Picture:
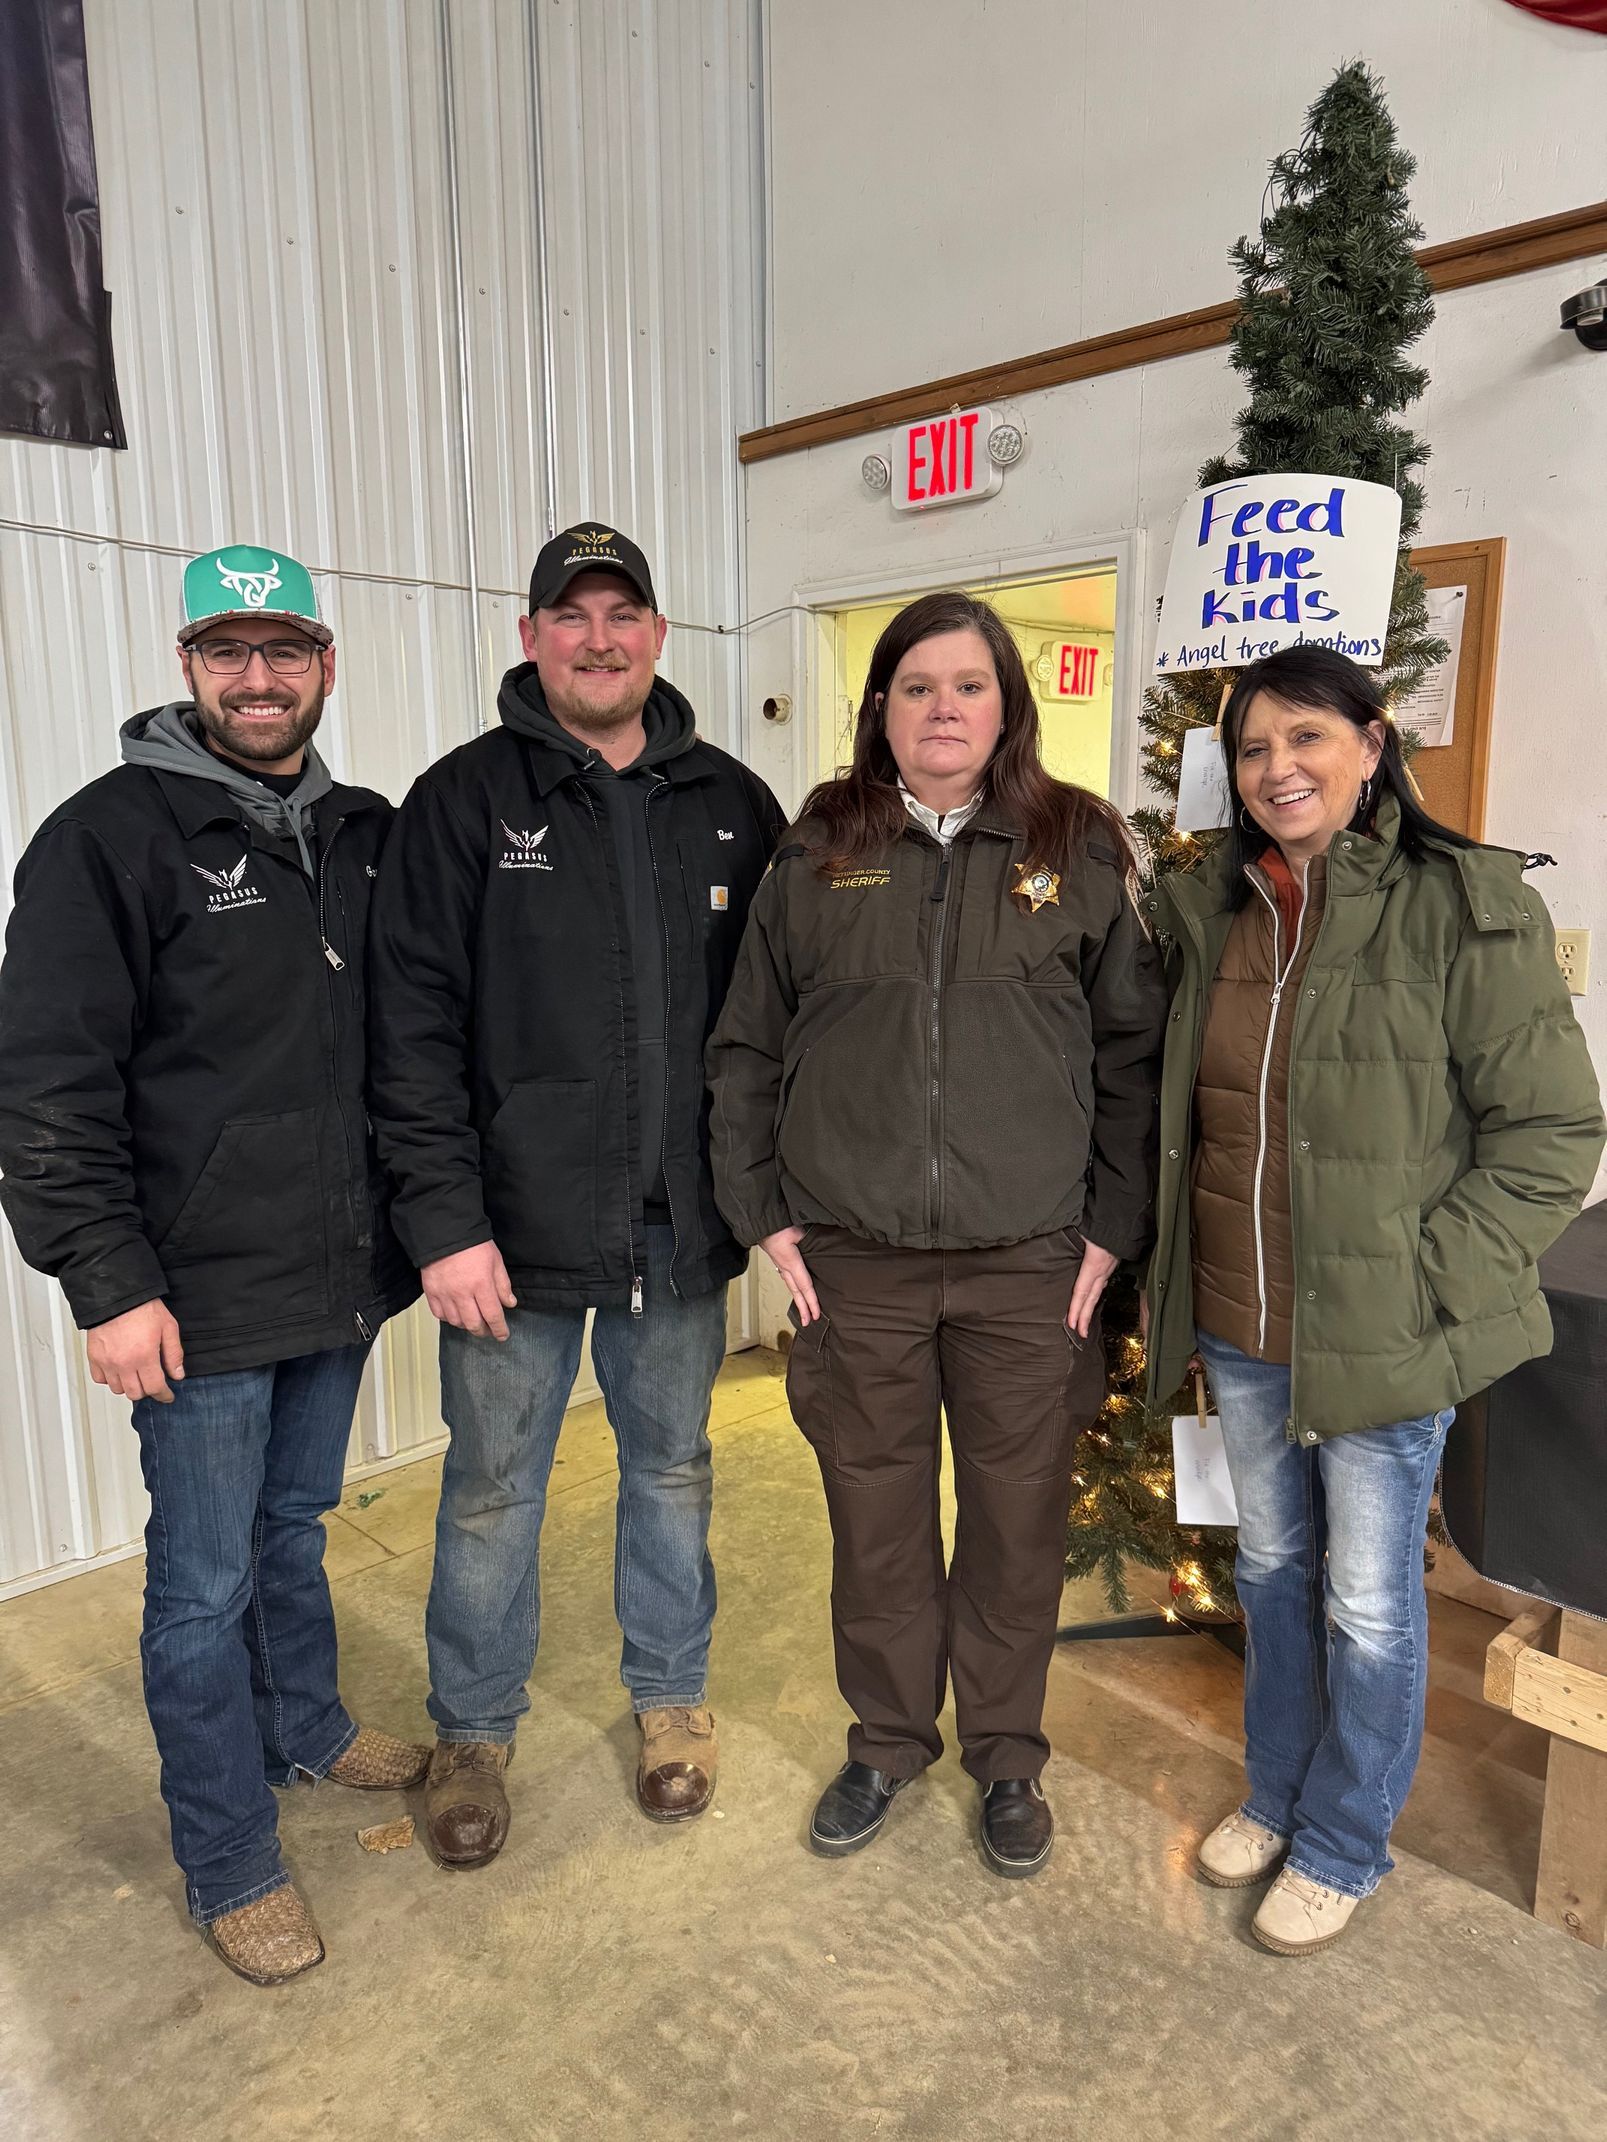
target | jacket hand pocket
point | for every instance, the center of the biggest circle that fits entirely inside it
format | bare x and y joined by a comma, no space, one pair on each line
538,1157
253,1225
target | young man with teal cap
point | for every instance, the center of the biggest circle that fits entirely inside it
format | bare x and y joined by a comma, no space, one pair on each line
185,1147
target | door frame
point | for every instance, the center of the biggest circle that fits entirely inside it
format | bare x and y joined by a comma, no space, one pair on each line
814,649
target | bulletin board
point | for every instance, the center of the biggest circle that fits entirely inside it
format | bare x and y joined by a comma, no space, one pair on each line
1454,776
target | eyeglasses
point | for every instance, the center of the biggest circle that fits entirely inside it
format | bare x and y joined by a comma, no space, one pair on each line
232,658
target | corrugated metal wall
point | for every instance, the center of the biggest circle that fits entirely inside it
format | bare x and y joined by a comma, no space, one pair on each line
307,358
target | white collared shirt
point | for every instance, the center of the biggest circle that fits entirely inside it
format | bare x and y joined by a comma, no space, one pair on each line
944,826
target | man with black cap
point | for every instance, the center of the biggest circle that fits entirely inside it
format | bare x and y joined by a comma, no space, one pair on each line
558,913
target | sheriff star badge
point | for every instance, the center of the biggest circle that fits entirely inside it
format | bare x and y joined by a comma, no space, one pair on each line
1038,888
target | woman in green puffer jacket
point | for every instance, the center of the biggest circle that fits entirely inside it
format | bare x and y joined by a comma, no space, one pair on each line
1377,1110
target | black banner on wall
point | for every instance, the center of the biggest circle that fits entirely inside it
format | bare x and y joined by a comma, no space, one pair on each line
56,378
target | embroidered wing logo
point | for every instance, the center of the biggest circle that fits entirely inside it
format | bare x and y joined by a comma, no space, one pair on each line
253,589
224,880
526,843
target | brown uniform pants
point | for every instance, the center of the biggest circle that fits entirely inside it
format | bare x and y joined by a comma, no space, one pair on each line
980,1334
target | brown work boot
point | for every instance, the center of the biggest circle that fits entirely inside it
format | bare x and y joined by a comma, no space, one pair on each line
679,1761
379,1762
466,1802
270,1940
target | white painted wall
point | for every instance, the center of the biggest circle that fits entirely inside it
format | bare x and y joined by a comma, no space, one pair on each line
1117,154
276,199
965,180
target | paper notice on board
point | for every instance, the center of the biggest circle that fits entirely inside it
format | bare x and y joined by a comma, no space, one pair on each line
1202,786
1200,1472
1431,709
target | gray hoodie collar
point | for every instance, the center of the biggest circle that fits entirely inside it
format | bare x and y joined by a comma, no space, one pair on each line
168,739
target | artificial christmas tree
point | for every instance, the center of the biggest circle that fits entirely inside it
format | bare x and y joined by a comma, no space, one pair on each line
1331,296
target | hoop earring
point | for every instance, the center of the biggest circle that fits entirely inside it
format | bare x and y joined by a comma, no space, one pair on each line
1246,821
1364,800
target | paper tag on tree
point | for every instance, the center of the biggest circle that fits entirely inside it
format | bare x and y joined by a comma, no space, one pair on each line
1203,802
1200,1470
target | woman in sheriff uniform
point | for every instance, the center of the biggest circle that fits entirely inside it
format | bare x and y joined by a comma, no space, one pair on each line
934,1086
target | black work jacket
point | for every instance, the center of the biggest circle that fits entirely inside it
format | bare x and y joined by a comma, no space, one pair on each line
182,1070
503,1030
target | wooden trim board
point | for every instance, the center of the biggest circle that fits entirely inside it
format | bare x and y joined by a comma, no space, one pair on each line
1486,256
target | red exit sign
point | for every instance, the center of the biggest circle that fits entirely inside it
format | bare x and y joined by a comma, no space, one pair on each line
944,460
1070,669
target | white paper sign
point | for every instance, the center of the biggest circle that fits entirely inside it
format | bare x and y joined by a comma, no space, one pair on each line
1264,562
1200,1469
1203,802
1431,709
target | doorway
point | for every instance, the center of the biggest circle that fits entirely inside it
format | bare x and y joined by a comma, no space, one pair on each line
1066,624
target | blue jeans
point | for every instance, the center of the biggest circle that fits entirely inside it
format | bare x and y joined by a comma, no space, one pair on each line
1330,1576
504,1402
238,1646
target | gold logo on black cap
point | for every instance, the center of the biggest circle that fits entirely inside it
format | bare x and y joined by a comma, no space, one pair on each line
595,538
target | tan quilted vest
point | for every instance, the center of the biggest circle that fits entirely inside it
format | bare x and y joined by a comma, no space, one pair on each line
1243,1261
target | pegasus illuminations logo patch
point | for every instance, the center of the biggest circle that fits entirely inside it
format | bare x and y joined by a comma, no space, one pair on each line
523,850
231,889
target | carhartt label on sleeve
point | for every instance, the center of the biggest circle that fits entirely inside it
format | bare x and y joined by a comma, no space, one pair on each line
719,896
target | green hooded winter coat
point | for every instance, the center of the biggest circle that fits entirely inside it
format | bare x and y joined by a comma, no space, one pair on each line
1444,1126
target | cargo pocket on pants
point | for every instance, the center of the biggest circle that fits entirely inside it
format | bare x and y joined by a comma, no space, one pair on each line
809,1386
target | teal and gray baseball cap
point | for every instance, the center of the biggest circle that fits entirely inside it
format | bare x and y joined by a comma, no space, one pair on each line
242,581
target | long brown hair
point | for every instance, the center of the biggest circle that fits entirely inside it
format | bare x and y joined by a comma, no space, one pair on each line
860,811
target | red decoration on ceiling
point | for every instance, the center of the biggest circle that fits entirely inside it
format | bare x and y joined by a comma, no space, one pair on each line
1577,14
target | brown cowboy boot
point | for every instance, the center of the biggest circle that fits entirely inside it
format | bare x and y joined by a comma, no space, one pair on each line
270,1940
465,1801
378,1762
679,1762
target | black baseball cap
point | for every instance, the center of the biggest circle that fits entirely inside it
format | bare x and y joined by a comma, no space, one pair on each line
588,548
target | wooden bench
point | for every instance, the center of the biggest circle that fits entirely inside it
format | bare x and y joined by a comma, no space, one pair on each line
1550,1668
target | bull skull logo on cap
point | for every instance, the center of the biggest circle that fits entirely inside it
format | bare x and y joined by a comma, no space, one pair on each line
253,588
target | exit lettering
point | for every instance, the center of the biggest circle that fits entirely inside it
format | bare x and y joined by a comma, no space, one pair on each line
942,460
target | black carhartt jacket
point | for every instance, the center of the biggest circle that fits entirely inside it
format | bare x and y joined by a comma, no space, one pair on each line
182,1069
504,1027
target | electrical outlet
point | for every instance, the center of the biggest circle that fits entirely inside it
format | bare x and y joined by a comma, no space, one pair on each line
1573,957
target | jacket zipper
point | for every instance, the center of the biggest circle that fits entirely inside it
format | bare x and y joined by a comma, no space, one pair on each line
338,966
624,1058
1281,973
661,785
935,982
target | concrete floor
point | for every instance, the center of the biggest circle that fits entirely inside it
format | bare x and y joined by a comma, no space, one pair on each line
607,1978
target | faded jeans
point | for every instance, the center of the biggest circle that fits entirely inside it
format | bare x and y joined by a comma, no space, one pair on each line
238,1647
1330,1576
504,1402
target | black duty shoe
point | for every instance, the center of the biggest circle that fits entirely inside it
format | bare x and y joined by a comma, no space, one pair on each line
852,1809
1018,1831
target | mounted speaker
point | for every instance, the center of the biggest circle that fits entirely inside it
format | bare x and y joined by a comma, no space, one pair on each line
1524,1486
